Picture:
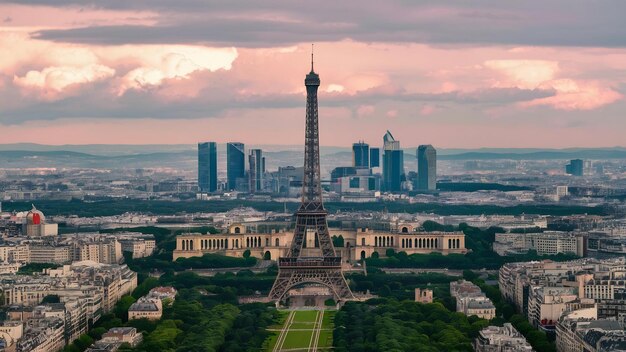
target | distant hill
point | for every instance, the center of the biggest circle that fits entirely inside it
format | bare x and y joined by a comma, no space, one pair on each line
595,154
184,157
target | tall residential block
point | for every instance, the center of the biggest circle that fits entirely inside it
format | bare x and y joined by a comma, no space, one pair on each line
256,162
393,164
361,155
235,164
426,168
207,167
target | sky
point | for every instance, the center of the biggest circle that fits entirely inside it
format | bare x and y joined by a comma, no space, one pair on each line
455,74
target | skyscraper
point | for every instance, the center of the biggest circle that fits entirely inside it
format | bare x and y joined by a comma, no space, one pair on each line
235,164
426,167
361,155
374,157
575,167
393,164
207,167
256,164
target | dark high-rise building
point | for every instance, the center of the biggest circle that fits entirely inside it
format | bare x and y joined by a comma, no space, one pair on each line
575,167
207,167
235,164
256,171
361,155
426,168
374,157
393,164
341,171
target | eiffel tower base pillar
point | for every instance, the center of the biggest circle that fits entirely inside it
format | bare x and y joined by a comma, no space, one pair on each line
331,278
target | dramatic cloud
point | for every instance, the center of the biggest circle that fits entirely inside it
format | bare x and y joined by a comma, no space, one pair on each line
449,73
275,22
569,94
53,80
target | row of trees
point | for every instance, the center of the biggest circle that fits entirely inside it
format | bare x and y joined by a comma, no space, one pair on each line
116,207
391,325
205,317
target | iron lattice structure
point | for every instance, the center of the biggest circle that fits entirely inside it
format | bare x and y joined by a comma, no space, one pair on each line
297,269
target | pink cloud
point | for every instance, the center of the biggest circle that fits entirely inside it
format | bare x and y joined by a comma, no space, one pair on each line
365,110
392,114
573,95
427,110
570,94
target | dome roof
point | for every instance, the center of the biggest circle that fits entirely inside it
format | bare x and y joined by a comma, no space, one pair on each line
35,217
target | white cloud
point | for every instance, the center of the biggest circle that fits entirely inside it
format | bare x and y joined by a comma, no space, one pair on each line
55,79
525,74
158,63
334,88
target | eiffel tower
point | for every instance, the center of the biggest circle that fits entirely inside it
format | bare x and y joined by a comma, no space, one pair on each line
312,258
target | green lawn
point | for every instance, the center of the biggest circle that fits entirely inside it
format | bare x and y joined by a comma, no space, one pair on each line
305,316
300,331
298,339
328,321
301,325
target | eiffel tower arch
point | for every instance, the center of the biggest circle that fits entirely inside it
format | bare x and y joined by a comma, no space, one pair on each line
312,258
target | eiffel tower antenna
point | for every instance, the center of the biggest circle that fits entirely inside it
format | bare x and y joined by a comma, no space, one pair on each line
312,57
312,259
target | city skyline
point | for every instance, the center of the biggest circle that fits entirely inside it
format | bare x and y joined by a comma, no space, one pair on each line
502,76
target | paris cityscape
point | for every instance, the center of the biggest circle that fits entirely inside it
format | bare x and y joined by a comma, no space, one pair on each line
358,176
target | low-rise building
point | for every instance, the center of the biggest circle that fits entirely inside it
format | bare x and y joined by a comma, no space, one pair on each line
12,253
163,292
50,253
501,339
470,300
42,335
358,244
544,243
10,333
567,339
423,295
9,268
547,304
127,335
146,308
139,247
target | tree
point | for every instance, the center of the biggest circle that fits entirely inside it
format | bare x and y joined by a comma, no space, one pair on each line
83,342
246,254
121,308
338,241
390,252
50,299
96,333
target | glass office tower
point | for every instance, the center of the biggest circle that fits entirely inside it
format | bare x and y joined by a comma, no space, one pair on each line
207,167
